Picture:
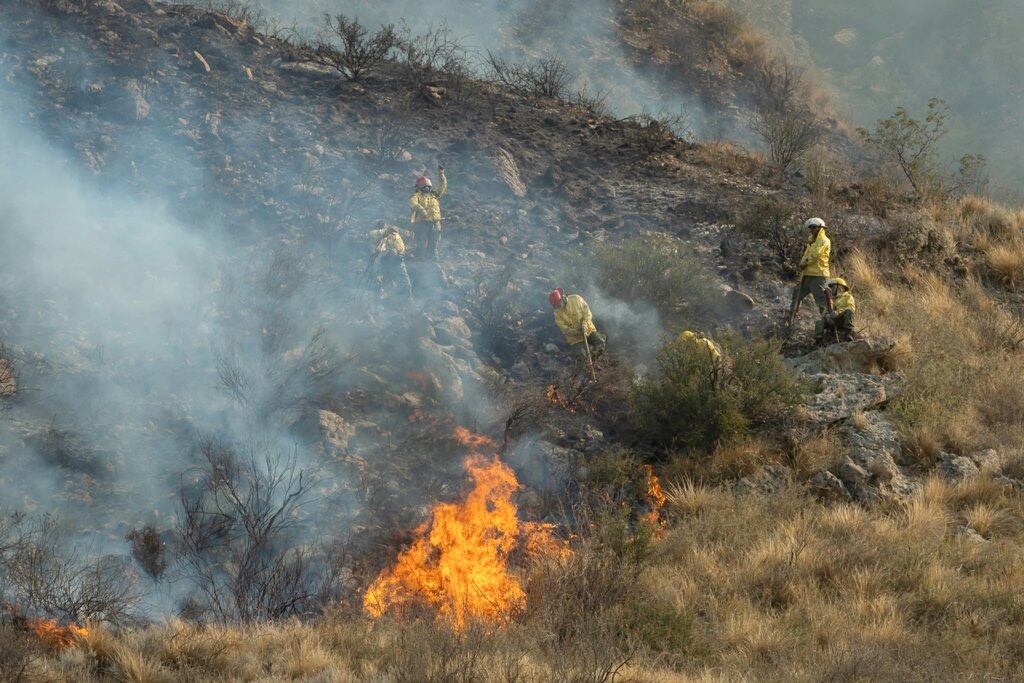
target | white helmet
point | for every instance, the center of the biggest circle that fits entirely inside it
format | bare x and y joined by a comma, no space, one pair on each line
815,223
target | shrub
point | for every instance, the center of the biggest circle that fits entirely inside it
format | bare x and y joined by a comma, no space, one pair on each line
548,77
1006,262
432,54
683,406
781,117
652,133
911,144
658,270
353,51
772,220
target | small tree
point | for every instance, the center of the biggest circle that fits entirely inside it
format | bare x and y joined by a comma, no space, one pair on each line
351,50
912,144
781,116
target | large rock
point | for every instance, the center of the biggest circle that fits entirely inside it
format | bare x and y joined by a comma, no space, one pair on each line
865,355
857,481
874,447
957,467
769,479
335,433
508,170
838,396
829,488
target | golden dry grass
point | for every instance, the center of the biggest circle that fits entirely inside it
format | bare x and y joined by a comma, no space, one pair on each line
740,588
958,355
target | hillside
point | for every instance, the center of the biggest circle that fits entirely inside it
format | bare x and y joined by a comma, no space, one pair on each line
880,56
227,456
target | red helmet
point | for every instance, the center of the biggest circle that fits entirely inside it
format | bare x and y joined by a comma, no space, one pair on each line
555,297
423,181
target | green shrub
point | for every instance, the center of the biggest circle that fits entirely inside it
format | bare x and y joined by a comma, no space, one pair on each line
683,405
655,627
655,269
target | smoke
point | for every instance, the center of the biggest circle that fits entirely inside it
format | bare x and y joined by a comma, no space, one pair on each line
581,33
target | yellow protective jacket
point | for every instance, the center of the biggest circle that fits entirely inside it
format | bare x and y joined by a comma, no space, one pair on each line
573,318
703,343
844,302
426,205
392,243
816,254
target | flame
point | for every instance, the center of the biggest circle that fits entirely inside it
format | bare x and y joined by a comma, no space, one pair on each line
655,498
52,634
555,398
458,564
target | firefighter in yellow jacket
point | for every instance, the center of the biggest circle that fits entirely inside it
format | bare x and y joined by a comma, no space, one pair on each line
389,249
837,324
574,319
814,266
426,214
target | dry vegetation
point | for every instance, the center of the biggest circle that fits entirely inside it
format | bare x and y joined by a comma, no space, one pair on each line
774,588
960,341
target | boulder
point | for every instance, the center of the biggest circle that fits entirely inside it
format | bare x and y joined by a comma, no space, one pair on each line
828,488
863,355
857,481
987,460
138,107
874,446
957,467
838,396
508,171
769,479
335,433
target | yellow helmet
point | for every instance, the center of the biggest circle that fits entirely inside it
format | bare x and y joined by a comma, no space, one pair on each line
838,281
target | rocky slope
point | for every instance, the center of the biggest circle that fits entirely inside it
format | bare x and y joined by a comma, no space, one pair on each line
278,168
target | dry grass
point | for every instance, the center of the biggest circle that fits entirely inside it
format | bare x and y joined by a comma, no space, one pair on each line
961,358
775,588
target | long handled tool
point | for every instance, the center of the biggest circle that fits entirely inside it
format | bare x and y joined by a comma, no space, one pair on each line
590,358
794,307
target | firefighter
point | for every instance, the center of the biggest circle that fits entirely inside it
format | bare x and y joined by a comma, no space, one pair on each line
389,249
837,324
426,214
814,268
705,346
574,319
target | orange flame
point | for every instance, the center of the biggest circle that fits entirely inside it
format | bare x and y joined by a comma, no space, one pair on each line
555,398
458,564
53,635
655,498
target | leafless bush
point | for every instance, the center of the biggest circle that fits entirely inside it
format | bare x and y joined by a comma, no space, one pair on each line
548,77
652,133
17,652
781,116
351,49
594,102
240,531
8,380
434,54
233,379
42,574
393,135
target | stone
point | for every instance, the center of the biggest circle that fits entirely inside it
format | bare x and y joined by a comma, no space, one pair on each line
828,488
839,396
857,481
967,533
508,171
139,106
864,355
874,446
335,433
550,348
957,467
987,460
770,479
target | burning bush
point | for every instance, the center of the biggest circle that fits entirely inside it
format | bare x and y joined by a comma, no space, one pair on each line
458,564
